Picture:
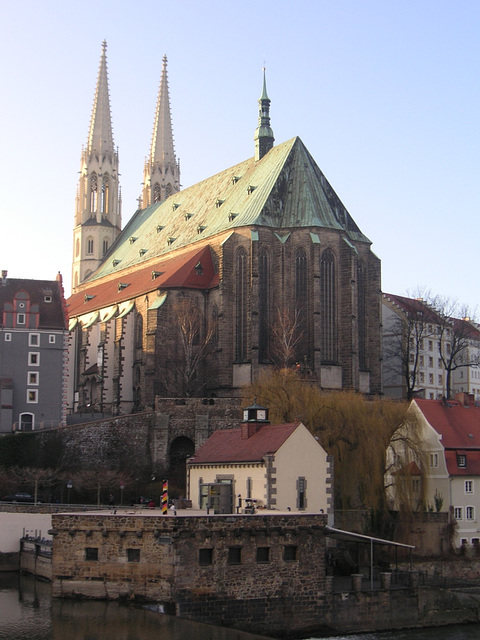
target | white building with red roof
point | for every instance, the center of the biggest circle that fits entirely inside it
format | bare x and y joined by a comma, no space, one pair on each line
260,465
449,469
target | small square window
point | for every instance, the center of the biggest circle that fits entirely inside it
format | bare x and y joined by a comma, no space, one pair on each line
289,553
91,553
51,339
205,557
8,337
33,358
133,555
33,339
47,298
32,378
234,555
462,460
32,396
263,554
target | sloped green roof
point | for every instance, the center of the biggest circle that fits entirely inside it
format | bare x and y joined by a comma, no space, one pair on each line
283,190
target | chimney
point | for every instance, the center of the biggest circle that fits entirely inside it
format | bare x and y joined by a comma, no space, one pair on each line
465,399
249,429
4,277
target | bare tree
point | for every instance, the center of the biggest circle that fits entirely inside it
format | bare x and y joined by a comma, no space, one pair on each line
98,479
286,336
405,332
36,478
196,337
455,335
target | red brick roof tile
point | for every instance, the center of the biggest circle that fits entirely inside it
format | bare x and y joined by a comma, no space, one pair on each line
227,445
173,272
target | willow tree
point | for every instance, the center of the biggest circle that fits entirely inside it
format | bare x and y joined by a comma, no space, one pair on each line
353,429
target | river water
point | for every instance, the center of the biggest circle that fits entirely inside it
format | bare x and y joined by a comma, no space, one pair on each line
27,612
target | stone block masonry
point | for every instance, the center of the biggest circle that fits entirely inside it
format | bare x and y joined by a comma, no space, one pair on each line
257,572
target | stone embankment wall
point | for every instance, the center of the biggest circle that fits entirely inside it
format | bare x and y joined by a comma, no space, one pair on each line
133,440
262,573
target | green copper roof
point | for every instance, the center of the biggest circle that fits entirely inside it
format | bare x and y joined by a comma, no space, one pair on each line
283,190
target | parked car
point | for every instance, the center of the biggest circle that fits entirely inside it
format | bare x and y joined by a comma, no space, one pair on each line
19,497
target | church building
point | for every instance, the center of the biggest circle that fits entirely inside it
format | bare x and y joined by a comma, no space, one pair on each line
259,266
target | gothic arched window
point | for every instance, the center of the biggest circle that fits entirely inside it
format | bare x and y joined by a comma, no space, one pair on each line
241,288
301,305
263,305
93,193
157,193
139,331
361,315
168,190
89,246
214,328
104,202
328,307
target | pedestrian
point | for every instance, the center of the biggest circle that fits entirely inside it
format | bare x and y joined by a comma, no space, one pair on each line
111,500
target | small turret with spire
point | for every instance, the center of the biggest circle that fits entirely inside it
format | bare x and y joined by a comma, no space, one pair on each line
97,215
264,138
161,175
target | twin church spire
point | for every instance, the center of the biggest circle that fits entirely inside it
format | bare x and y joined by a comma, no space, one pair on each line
98,202
161,174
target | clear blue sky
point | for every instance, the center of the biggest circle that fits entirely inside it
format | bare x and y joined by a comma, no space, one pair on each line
385,95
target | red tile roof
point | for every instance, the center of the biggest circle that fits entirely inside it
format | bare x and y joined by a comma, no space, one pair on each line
472,466
52,314
413,307
459,427
173,272
227,445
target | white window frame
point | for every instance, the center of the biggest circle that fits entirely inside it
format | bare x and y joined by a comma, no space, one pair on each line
31,337
469,486
433,460
30,356
21,318
51,339
30,382
470,513
8,337
458,513
32,396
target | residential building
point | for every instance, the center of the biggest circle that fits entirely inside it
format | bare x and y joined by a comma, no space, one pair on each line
434,462
466,377
260,465
194,293
33,354
427,354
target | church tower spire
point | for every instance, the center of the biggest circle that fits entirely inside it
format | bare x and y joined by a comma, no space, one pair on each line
97,214
161,175
264,134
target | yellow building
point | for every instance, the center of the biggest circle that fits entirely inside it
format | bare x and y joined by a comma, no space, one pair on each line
261,465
